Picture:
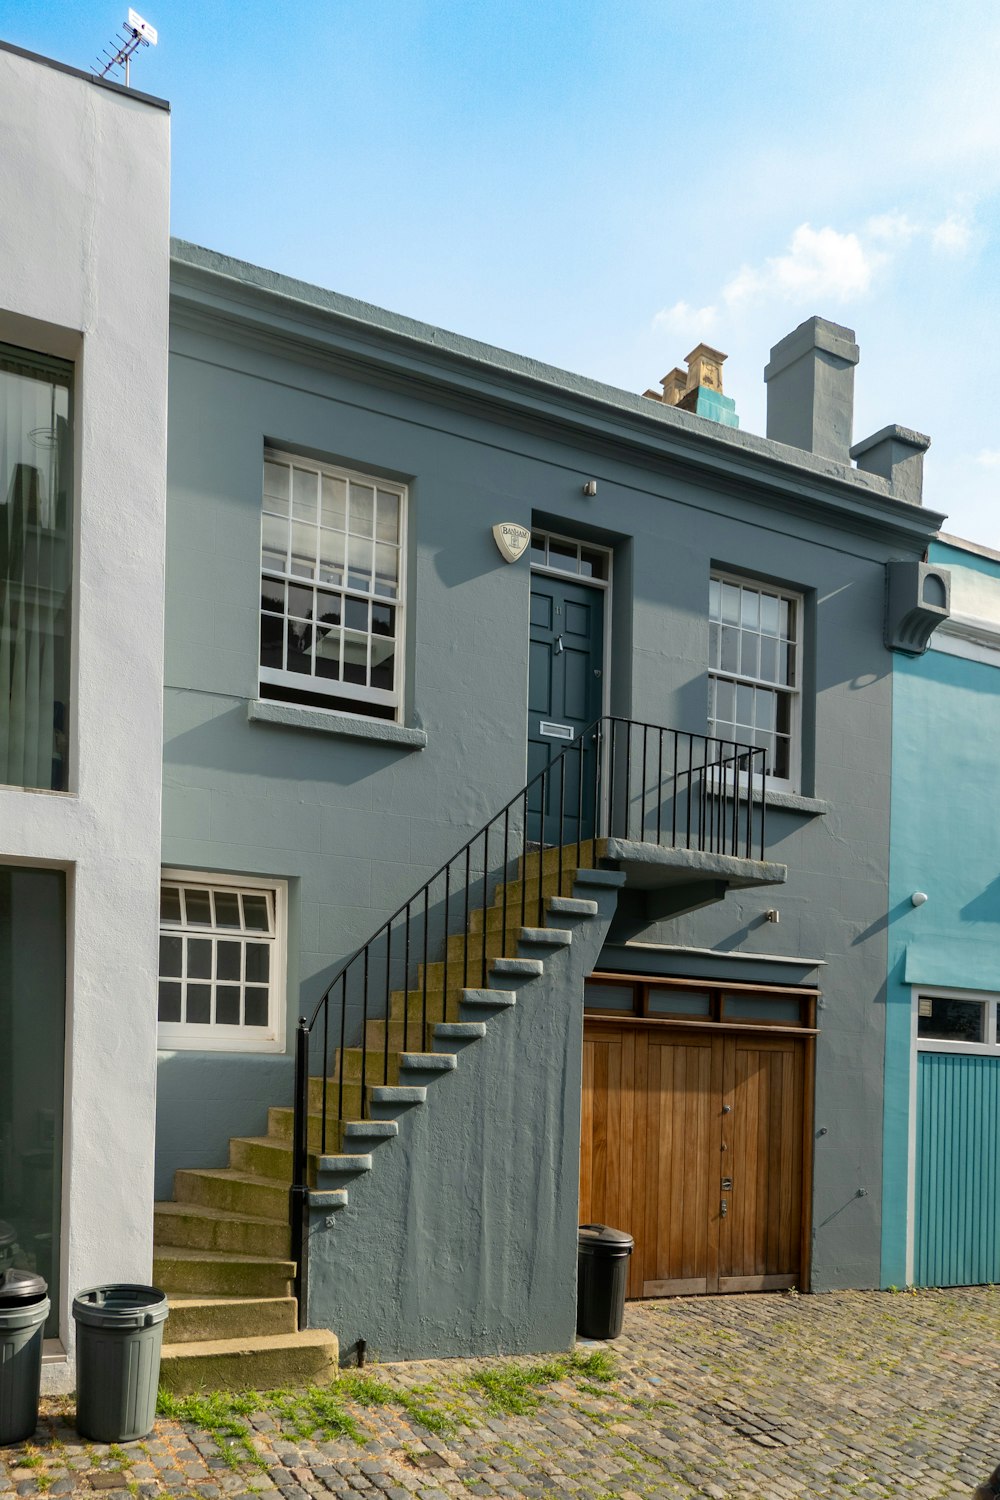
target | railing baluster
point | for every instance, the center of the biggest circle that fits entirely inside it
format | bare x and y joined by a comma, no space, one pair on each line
659,789
343,1043
541,853
503,878
673,799
326,1055
642,814
447,925
763,798
465,929
486,865
628,778
598,789
562,816
736,759
579,800
406,990
524,857
364,1037
388,999
427,916
690,785
611,778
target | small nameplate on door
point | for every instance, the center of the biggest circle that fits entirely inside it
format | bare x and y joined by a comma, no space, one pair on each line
556,731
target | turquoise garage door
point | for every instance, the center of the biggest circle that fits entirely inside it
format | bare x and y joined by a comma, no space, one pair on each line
957,1228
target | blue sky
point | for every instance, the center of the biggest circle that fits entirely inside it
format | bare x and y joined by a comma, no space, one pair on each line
602,184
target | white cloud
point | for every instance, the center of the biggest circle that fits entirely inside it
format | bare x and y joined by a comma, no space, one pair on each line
684,319
818,263
892,228
989,458
953,235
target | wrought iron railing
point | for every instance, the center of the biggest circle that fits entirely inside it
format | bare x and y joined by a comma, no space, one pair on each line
619,779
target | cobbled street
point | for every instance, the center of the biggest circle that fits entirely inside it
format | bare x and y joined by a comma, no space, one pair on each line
861,1394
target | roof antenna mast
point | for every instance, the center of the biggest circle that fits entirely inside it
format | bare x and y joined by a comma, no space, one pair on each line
135,33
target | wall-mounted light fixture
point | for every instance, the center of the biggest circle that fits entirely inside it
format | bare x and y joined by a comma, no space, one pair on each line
774,915
918,898
590,488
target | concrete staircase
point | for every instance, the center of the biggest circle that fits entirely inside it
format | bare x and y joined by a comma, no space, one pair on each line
222,1245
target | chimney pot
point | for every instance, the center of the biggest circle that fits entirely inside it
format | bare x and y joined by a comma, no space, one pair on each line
810,389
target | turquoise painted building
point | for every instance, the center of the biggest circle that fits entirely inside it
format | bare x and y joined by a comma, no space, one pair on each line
941,1175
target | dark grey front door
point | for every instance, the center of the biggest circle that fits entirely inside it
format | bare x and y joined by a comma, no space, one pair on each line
564,698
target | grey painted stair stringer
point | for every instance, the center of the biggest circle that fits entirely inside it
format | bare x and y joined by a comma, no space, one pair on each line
470,1215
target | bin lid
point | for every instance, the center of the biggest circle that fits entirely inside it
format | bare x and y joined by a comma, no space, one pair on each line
8,1234
602,1237
120,1305
17,1286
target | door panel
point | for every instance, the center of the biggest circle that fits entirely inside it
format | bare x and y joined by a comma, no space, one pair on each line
670,1119
566,653
957,1228
760,1243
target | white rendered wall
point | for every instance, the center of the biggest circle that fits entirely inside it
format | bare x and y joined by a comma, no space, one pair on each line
84,245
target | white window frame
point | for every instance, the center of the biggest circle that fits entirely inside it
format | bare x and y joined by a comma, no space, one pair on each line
791,782
181,1036
337,695
990,1047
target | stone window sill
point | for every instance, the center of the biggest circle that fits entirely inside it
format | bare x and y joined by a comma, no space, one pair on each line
328,721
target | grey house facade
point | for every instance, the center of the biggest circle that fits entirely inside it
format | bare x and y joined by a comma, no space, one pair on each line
681,1029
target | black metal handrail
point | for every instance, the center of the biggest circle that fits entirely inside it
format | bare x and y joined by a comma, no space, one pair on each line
620,778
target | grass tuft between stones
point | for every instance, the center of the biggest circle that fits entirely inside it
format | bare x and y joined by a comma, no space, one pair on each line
323,1412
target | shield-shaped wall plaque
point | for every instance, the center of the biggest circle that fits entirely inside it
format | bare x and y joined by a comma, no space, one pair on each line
511,539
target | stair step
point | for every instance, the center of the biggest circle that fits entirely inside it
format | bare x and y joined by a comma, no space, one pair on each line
571,906
488,999
243,1192
388,1093
193,1319
546,937
521,968
281,1122
369,1130
612,880
459,1031
262,1155
328,1198
347,1164
428,1062
178,1269
198,1227
284,1359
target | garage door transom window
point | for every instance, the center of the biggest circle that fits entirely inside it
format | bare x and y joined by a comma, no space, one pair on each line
957,1020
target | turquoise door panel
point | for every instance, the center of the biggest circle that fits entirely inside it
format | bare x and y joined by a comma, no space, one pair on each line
957,1226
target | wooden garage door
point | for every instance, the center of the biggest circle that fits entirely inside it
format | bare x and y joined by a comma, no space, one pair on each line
693,1143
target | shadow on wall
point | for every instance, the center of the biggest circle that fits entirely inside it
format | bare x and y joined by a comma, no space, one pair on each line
882,922
203,1098
985,907
223,743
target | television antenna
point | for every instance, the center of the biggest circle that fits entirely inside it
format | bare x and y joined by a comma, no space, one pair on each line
135,33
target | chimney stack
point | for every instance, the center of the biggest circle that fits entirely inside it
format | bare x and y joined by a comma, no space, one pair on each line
897,453
810,389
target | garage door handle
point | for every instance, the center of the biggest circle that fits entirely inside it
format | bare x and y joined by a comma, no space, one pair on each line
723,1208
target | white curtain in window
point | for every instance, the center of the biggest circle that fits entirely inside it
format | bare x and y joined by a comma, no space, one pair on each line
33,576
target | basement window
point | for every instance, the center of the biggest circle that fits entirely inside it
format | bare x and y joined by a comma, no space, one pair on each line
221,970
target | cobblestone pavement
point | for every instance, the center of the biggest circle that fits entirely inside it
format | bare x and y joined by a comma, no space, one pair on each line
861,1394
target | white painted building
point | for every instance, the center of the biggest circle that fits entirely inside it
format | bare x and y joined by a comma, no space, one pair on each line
83,364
